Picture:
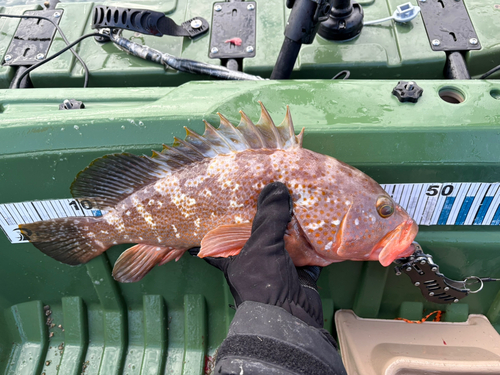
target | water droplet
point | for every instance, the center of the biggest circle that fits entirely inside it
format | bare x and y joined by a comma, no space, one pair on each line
76,127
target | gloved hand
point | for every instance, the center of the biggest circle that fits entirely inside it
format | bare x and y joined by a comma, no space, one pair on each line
264,272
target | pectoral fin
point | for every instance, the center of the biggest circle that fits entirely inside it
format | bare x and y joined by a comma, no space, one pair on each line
137,261
225,240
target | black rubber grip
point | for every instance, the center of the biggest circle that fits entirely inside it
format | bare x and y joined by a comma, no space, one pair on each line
140,20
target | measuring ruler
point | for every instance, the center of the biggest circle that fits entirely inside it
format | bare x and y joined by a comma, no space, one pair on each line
13,214
449,203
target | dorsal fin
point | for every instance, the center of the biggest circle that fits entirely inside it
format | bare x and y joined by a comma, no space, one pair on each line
112,178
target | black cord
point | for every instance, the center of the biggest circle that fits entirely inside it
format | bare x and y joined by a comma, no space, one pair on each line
52,57
86,81
490,72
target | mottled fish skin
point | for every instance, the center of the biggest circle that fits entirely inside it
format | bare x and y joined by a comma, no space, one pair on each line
179,210
335,205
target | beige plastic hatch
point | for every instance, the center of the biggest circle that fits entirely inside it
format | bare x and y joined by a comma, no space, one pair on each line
390,347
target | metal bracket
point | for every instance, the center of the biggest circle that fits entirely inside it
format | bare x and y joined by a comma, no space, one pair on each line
448,25
32,39
424,274
233,30
71,104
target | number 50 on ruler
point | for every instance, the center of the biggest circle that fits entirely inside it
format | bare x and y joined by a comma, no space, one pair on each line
457,203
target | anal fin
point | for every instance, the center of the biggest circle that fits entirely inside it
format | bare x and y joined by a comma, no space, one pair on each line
137,261
225,240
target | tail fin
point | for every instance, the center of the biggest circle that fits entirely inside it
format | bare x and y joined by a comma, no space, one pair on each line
68,240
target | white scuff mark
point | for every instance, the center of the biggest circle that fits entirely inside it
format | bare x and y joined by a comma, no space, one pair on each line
372,218
336,222
127,213
178,235
236,187
207,193
104,232
160,204
151,202
91,235
159,239
328,246
347,203
174,228
356,222
76,127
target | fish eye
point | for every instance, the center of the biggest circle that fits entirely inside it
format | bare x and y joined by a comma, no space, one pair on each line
385,206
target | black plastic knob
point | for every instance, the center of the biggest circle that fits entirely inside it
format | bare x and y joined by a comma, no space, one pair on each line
407,91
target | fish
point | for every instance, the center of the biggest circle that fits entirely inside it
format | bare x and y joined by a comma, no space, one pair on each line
202,192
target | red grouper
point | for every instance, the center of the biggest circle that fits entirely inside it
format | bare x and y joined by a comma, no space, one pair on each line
202,191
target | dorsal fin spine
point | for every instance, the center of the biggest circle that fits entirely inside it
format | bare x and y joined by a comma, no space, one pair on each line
210,131
228,124
246,121
267,122
114,177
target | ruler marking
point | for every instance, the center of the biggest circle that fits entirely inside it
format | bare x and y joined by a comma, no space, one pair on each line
42,210
479,197
33,215
485,205
465,208
50,209
441,199
461,190
10,209
397,192
421,204
496,217
493,207
3,220
406,196
34,208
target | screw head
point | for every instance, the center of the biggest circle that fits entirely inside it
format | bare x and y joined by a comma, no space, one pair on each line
417,283
423,262
431,293
455,300
218,8
398,273
214,50
250,7
436,42
196,24
434,269
408,269
446,288
473,41
8,57
249,49
40,56
57,14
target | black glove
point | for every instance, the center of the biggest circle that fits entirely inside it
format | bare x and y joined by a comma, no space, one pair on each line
264,272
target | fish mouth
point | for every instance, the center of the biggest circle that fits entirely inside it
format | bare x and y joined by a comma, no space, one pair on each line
397,243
